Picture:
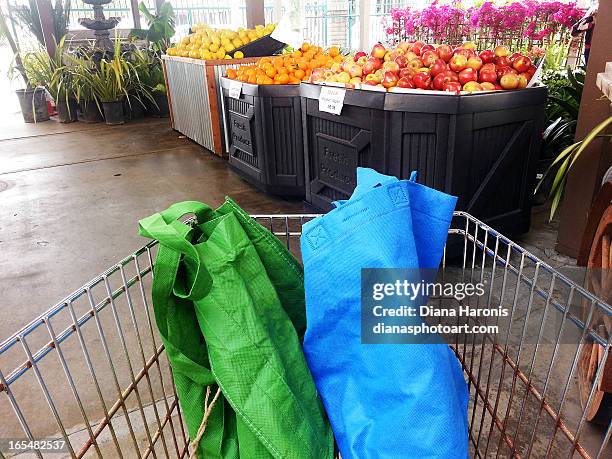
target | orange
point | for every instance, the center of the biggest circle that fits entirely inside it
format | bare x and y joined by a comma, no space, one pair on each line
305,46
294,80
261,79
300,74
252,79
283,78
243,78
268,80
271,72
334,51
283,70
231,73
278,62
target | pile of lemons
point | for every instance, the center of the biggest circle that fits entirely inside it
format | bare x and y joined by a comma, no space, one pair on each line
207,43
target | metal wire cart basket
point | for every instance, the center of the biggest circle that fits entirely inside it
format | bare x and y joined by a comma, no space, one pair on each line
91,372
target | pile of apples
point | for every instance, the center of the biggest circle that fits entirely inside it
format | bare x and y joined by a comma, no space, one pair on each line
423,66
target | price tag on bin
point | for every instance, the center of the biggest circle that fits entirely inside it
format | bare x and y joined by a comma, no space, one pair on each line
331,99
235,89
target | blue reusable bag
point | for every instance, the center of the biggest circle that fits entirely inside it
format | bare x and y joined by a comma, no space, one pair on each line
383,400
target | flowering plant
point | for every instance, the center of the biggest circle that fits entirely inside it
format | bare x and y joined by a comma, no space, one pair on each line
525,23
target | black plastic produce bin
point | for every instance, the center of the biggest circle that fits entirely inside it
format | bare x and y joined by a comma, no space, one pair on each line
264,46
264,132
481,147
336,144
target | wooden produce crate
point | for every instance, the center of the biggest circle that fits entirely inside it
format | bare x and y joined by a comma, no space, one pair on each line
194,97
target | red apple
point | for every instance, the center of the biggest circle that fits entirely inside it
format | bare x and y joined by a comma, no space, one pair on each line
425,48
355,70
487,75
405,82
389,56
422,80
489,66
474,62
458,62
362,60
359,54
468,74
445,52
406,72
378,51
509,81
463,51
401,61
438,66
452,86
523,80
502,61
521,64
429,57
390,79
532,70
514,56
370,82
472,86
391,66
487,56
404,46
498,87
486,86
368,68
377,63
501,71
416,47
502,51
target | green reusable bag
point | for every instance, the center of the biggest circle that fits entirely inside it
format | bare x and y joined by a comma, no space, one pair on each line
228,299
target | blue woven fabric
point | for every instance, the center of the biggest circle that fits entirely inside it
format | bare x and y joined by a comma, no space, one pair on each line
383,400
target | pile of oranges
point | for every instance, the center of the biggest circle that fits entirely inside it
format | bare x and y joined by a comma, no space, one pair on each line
290,68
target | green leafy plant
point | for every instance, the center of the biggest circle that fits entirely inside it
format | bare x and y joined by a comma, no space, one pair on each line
565,160
564,96
16,68
161,27
27,16
50,72
110,80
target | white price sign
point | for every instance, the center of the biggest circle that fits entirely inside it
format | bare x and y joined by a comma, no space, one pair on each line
235,89
331,99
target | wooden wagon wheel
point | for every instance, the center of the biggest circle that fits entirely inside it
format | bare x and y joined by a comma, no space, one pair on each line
599,281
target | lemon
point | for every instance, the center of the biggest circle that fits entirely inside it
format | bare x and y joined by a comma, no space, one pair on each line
185,40
220,54
214,47
207,55
194,54
229,47
238,55
215,39
225,41
227,56
171,51
237,42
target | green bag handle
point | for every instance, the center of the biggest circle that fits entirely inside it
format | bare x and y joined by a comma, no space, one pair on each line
166,227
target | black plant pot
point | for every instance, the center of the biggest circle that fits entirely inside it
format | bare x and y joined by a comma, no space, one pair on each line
161,111
67,111
133,109
113,112
89,112
33,105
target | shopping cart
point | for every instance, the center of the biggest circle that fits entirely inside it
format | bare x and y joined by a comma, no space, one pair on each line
91,373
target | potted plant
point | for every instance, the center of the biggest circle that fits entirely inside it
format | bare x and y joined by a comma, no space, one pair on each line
54,74
149,69
32,99
111,81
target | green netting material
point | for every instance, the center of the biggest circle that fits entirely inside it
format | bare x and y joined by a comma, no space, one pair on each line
229,304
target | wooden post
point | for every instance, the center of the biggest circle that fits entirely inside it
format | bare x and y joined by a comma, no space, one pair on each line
584,179
255,13
47,25
136,13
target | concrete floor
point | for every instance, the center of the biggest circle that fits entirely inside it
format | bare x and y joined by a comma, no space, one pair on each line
70,200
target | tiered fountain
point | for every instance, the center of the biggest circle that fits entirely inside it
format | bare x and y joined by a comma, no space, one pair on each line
100,24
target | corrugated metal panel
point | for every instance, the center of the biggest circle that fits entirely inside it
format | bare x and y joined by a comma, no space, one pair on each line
189,98
220,70
188,88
